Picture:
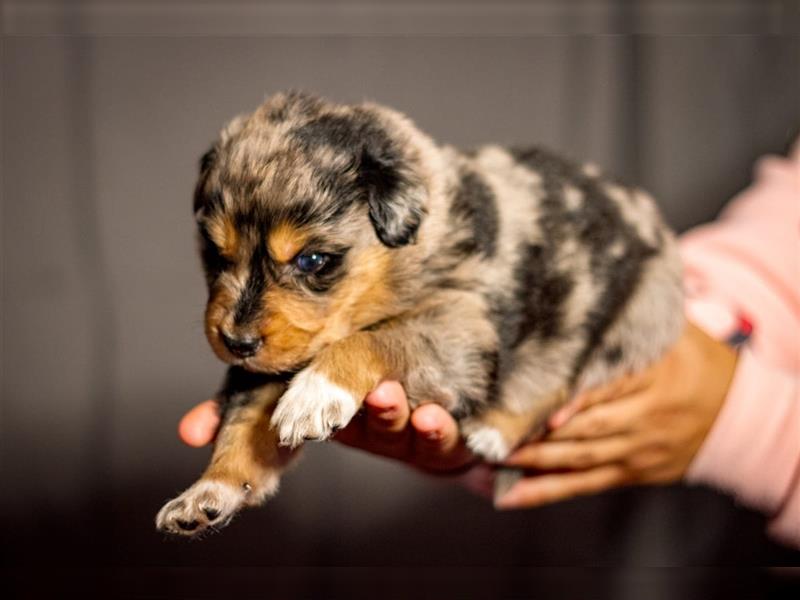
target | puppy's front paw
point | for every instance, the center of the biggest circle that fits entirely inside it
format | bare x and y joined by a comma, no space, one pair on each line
205,505
312,408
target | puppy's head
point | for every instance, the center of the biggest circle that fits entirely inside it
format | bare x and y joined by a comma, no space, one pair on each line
303,208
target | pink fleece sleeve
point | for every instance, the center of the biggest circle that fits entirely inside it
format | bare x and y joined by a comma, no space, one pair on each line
745,269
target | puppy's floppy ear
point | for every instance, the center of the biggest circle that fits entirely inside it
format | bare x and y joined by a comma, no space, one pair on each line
395,200
208,159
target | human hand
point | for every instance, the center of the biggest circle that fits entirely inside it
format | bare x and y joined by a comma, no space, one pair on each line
641,429
426,438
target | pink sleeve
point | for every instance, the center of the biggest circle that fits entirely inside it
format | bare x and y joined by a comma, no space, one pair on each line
743,272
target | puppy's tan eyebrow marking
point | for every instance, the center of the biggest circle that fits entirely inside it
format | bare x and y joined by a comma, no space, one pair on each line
224,234
285,241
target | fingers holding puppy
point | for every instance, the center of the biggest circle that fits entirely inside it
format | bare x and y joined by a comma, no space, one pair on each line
427,438
198,427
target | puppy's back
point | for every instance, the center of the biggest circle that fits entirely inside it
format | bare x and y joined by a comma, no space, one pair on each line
585,277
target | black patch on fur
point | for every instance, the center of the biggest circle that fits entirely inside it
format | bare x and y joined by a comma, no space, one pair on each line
239,385
596,225
535,306
206,200
345,133
299,213
541,292
239,380
213,262
378,174
469,405
491,359
249,304
466,406
613,355
474,202
208,159
540,289
394,213
624,275
341,184
203,198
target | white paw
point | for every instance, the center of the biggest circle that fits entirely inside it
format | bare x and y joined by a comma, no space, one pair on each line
488,442
207,504
312,408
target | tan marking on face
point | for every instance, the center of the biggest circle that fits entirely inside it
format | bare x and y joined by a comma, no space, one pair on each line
289,328
296,327
217,310
224,234
285,241
355,362
365,296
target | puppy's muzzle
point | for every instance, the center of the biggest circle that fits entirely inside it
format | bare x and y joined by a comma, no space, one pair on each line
242,347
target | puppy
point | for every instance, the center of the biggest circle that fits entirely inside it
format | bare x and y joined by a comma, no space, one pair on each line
342,247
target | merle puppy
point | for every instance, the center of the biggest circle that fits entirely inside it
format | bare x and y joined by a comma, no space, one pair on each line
342,246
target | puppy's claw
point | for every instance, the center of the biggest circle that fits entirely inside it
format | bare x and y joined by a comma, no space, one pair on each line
313,408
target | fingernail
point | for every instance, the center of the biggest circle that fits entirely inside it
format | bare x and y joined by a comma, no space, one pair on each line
433,436
506,501
505,481
386,414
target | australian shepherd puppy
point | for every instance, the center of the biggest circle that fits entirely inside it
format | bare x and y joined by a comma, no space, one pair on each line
342,246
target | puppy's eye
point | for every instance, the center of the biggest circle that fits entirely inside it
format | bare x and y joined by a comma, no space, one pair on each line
311,262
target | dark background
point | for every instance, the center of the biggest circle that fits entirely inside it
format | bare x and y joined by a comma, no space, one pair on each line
106,107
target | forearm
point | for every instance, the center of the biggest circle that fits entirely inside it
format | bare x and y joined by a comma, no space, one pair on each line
744,269
753,449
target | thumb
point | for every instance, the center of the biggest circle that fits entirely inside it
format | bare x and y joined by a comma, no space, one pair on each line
198,427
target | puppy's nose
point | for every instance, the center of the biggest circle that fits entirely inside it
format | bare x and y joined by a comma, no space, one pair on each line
242,347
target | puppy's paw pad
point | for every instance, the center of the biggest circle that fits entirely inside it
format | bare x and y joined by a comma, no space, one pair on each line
207,504
488,443
313,408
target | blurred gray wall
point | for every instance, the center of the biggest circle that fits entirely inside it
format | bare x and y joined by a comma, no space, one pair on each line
106,108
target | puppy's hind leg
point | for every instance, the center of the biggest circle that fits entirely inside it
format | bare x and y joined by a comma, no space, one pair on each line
496,432
245,467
